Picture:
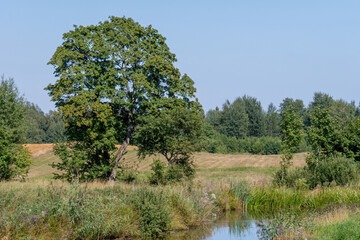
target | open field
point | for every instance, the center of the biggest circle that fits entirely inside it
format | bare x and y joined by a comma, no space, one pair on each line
209,166
32,208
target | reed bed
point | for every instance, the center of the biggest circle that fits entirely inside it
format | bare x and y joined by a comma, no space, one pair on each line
271,197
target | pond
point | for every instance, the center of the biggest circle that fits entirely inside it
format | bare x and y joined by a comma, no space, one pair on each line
233,225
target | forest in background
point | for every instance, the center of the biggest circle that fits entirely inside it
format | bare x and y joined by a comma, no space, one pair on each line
245,126
237,127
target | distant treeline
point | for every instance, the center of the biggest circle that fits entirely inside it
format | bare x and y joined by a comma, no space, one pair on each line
43,127
244,126
239,126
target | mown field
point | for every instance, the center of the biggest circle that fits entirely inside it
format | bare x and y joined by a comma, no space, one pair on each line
252,168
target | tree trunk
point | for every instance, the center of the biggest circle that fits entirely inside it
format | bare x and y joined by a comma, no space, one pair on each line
120,154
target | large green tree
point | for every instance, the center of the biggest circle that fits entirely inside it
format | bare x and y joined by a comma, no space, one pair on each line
325,134
109,76
14,159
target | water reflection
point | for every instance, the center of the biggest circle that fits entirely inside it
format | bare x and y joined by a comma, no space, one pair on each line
233,225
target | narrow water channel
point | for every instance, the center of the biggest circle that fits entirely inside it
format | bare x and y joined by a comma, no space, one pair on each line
233,225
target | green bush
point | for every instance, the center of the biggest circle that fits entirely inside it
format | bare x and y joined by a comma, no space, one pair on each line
128,176
271,146
329,171
263,145
335,169
14,160
161,174
294,177
174,173
219,143
158,175
152,208
257,147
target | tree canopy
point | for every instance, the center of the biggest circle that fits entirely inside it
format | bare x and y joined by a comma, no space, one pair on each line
109,75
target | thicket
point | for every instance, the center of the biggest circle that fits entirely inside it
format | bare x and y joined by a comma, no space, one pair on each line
224,144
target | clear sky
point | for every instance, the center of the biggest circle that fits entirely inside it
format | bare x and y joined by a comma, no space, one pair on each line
266,49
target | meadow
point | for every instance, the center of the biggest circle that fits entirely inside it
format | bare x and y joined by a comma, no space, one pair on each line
44,208
252,168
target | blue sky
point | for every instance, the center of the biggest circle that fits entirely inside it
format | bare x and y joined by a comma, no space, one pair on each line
266,49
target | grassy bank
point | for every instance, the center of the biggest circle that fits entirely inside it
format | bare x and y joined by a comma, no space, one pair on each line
338,230
55,210
330,223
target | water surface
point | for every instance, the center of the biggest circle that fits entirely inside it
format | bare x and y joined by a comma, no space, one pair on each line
233,225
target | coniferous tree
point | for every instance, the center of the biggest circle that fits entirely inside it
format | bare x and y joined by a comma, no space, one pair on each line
254,111
272,122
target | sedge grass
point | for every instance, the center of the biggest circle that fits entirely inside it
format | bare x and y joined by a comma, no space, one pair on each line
271,197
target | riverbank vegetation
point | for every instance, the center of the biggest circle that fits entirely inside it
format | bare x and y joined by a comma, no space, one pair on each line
54,209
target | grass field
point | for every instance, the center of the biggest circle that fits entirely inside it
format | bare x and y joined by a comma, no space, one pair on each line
209,166
45,209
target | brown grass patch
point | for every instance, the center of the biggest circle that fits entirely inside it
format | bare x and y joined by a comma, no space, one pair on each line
209,160
36,148
336,215
43,147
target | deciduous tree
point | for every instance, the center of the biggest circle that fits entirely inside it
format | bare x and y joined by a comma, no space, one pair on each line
292,127
14,159
109,76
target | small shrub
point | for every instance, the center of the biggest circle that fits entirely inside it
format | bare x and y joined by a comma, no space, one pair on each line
153,211
271,146
257,147
161,174
294,177
128,176
158,175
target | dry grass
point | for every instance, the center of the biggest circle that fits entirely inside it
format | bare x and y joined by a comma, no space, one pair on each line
210,166
336,215
41,164
39,149
209,160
